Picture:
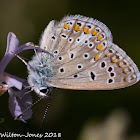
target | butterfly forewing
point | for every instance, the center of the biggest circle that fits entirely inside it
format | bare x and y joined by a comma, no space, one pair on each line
85,57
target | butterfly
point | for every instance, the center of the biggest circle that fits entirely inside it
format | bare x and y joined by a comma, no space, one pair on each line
84,57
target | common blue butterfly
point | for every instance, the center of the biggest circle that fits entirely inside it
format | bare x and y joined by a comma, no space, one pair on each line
76,53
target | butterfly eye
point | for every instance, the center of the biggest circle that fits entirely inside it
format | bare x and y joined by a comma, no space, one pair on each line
45,90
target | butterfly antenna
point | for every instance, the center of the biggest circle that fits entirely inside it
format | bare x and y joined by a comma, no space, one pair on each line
28,108
45,113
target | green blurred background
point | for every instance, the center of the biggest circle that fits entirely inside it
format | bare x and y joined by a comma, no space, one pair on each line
71,110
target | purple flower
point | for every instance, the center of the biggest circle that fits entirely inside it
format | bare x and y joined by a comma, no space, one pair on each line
13,49
17,104
18,100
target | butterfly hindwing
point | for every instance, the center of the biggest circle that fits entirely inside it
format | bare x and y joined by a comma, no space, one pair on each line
112,71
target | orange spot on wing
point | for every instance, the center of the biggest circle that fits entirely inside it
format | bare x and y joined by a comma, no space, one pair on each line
77,28
114,59
125,71
99,38
65,26
97,57
99,47
120,64
94,32
86,30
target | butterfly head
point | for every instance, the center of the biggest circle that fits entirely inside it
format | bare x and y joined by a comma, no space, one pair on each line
38,76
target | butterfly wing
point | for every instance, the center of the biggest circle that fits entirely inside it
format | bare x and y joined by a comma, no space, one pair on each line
85,57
